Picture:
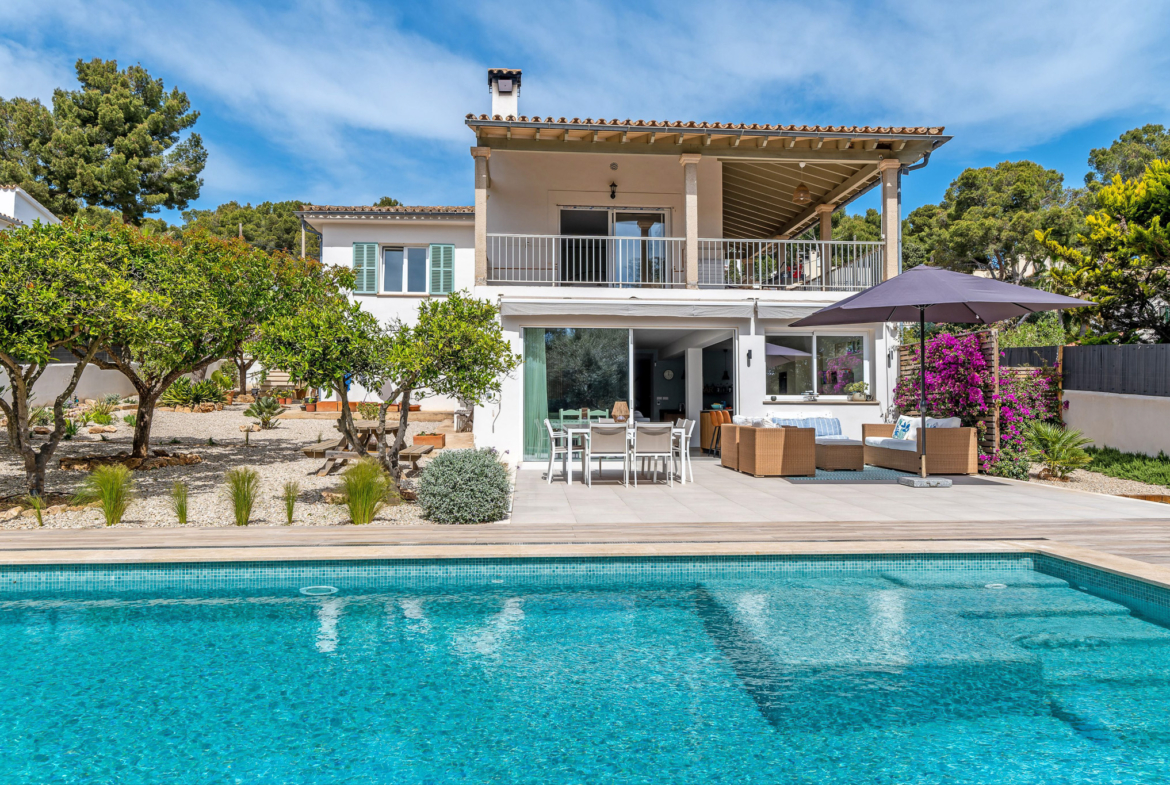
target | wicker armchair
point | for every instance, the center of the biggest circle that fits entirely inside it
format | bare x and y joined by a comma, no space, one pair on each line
729,445
948,450
773,452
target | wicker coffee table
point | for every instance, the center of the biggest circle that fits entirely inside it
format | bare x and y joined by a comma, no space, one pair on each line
845,454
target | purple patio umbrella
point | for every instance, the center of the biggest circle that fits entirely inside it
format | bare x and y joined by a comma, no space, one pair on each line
928,294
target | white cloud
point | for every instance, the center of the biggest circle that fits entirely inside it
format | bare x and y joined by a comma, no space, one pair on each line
24,72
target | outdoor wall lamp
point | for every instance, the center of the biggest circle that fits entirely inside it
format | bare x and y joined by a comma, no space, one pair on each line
613,190
749,358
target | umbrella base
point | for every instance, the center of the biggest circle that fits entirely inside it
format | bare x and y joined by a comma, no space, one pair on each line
924,482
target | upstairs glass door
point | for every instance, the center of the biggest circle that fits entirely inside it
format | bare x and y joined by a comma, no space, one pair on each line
639,254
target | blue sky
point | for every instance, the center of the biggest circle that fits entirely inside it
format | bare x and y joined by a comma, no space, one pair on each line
343,102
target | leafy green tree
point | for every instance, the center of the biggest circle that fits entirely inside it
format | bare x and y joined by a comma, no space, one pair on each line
324,340
61,286
456,348
854,226
1128,156
387,201
116,142
213,295
270,226
989,217
1124,265
920,235
26,127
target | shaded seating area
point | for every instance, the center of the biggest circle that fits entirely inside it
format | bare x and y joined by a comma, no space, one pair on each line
642,448
949,449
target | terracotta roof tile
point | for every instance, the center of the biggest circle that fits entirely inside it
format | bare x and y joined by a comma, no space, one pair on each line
811,129
401,209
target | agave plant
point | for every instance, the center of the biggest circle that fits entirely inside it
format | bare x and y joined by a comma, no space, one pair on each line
265,410
178,394
206,392
1058,450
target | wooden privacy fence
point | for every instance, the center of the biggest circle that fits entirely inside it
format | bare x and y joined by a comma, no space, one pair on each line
989,348
1136,369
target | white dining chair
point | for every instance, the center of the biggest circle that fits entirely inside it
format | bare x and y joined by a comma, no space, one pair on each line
558,444
654,441
682,448
608,442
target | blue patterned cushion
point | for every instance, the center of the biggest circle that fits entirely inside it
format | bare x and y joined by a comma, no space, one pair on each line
789,422
824,426
902,429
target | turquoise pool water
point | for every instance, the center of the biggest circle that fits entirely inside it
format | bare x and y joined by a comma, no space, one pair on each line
958,670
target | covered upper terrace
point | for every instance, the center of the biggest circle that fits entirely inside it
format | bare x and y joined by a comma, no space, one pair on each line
690,204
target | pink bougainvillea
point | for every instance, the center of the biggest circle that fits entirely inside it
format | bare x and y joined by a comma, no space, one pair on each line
956,375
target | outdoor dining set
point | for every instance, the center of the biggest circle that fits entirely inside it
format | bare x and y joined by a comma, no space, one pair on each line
636,443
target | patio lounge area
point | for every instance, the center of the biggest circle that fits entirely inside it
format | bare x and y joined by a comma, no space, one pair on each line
722,495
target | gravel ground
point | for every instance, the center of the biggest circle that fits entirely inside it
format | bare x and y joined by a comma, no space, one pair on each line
1083,480
275,454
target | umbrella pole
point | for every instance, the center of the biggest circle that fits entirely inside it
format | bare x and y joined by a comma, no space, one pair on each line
922,391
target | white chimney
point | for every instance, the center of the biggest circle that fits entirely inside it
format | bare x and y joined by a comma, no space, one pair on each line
505,86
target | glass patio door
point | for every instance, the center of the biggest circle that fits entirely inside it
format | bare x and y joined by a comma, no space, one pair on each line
639,254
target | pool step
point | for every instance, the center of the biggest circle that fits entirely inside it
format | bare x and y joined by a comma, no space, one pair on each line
1088,632
872,659
1015,603
1126,715
1141,667
943,579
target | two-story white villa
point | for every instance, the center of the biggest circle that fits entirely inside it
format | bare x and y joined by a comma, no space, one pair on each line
658,263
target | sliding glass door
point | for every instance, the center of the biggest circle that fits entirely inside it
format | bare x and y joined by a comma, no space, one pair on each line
618,247
567,369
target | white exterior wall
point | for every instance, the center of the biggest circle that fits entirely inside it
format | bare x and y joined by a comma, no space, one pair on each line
94,383
1130,423
528,189
338,237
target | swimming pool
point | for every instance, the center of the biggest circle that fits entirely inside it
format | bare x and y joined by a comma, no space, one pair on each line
964,669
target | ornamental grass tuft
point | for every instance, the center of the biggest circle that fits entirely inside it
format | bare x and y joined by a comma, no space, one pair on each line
289,496
464,486
179,501
113,486
367,490
243,488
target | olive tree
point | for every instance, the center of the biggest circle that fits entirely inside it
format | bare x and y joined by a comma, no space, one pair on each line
455,348
212,294
61,287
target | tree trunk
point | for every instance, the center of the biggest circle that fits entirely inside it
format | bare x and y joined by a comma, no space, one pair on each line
347,427
400,437
143,419
242,367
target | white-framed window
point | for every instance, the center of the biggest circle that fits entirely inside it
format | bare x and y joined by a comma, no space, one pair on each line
821,362
404,269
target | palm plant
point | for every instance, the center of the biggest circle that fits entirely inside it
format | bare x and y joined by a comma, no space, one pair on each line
71,429
179,501
113,486
289,496
265,410
1058,450
243,487
367,487
37,504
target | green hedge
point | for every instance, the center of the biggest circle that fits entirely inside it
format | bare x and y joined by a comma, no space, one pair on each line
464,486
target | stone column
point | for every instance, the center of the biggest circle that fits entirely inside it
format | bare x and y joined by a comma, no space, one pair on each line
690,164
825,213
481,156
891,217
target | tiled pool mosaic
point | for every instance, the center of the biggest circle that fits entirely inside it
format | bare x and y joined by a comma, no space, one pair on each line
919,669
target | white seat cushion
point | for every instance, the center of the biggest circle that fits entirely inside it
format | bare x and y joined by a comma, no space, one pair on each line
844,440
906,445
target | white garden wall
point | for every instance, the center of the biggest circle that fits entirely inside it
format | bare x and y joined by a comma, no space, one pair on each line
1131,423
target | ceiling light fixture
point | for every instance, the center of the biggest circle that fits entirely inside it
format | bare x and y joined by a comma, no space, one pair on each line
802,195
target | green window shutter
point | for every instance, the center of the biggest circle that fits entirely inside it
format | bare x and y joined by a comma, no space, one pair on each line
365,267
442,269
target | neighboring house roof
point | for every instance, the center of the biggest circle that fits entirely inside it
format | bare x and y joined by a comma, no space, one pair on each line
456,213
8,220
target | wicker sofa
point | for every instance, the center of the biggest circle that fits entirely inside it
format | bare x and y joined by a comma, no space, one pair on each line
769,452
948,450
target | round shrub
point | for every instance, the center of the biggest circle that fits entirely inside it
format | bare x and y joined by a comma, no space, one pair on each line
464,486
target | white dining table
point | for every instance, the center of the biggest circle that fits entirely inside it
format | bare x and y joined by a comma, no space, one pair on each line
583,431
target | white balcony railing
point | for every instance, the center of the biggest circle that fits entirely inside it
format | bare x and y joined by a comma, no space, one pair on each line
563,260
825,265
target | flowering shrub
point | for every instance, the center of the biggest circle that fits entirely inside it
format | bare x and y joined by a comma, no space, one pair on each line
956,375
1022,400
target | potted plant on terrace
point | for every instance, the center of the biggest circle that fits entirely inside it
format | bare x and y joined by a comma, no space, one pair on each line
310,404
437,440
857,390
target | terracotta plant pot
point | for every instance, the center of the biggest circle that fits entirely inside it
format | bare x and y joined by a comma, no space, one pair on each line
352,406
328,406
310,407
436,440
